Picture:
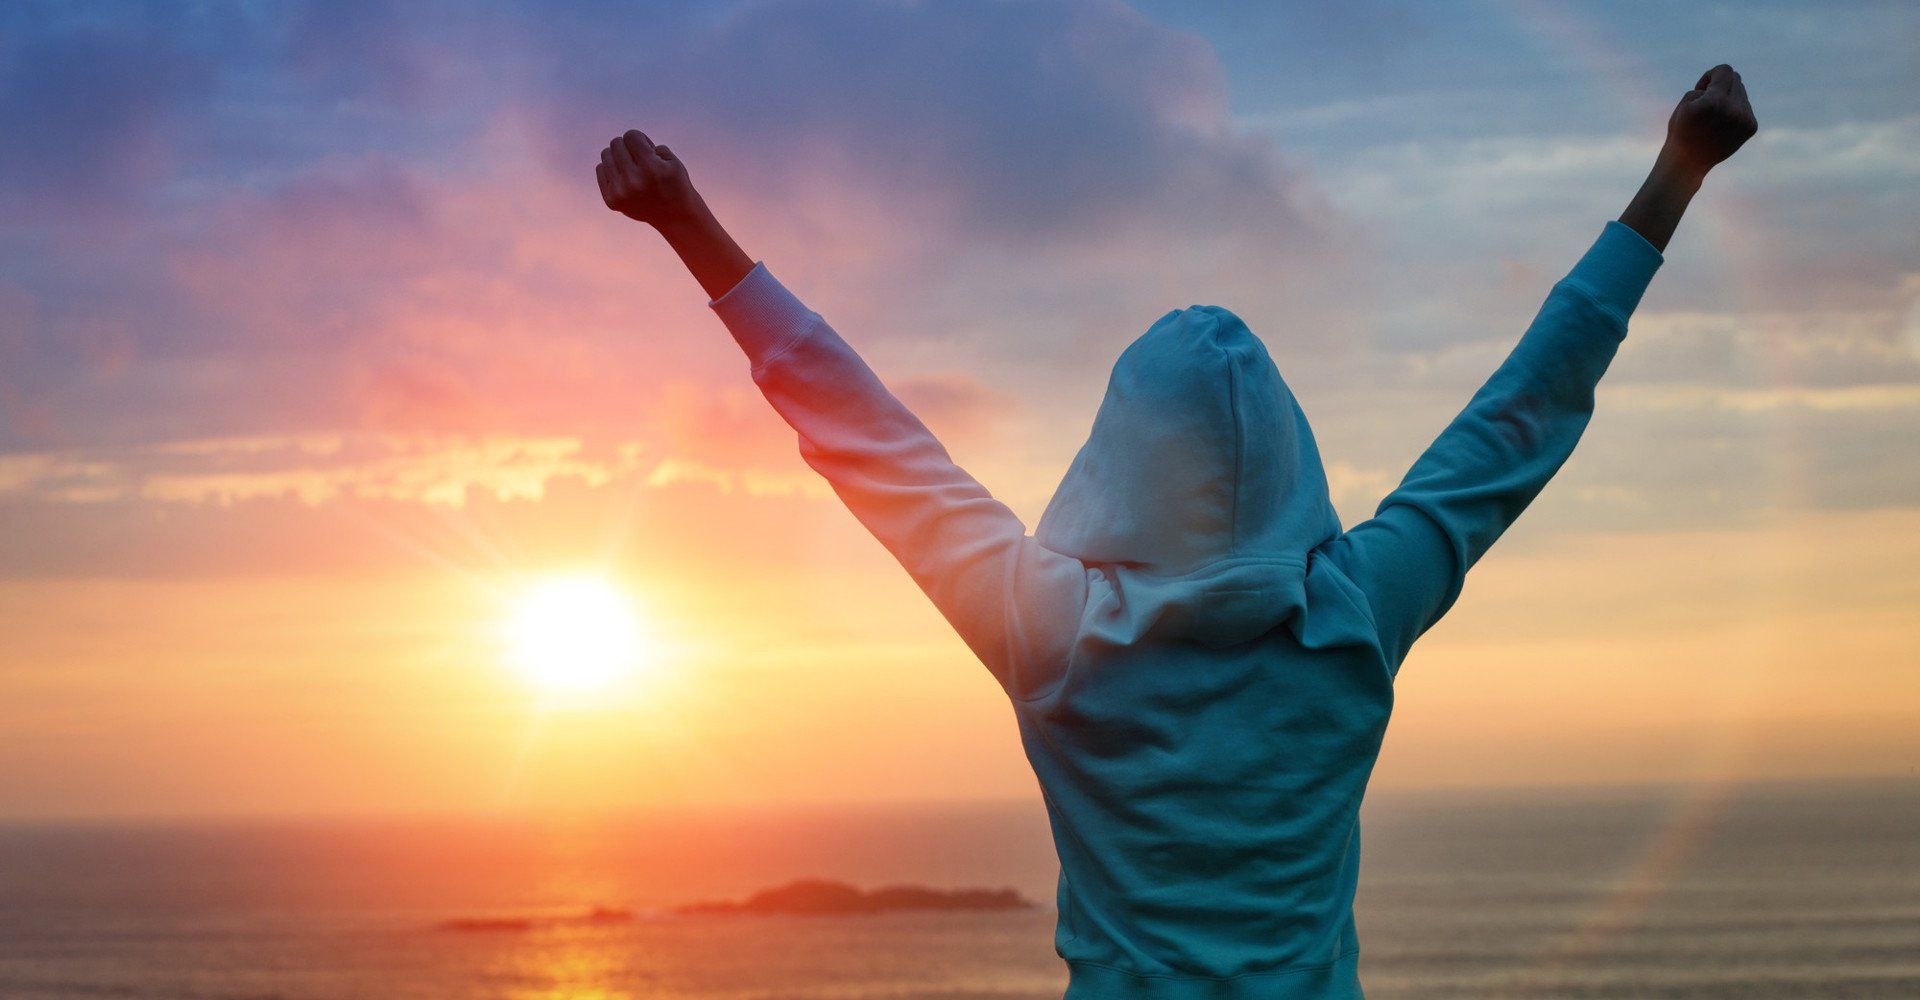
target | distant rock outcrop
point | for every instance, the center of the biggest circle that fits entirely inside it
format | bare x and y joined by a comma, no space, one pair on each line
597,915
487,924
822,896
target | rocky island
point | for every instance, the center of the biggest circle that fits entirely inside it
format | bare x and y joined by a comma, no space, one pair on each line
597,915
807,896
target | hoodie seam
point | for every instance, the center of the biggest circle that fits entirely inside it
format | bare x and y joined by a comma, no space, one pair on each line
1239,443
786,345
1363,604
1009,616
1456,579
1593,299
1010,623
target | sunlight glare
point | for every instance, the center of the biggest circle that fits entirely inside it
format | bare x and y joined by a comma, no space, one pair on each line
574,634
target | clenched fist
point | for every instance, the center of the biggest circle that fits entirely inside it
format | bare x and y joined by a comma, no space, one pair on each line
645,182
1711,121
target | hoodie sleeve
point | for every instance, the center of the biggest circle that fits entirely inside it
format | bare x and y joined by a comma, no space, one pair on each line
1016,605
1412,556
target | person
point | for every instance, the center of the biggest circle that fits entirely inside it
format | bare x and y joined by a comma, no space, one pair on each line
1200,660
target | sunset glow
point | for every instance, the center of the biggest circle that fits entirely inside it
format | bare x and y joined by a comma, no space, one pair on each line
576,634
355,459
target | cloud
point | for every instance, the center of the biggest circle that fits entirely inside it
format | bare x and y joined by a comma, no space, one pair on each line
957,406
1770,351
726,438
1356,491
1761,400
751,481
311,470
1910,322
372,222
384,223
1041,178
1804,219
90,109
1030,122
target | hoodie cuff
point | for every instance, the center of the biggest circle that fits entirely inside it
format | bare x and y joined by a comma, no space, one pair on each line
1617,268
764,318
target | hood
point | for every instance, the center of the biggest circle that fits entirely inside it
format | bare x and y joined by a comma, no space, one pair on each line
1201,481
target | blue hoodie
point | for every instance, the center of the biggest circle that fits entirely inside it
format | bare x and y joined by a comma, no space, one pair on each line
1200,660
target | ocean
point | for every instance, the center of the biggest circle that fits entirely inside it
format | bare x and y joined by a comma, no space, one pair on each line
1757,891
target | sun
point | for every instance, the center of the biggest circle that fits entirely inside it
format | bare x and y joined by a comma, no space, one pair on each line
575,634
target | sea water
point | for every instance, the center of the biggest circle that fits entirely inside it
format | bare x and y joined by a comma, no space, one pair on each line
1807,890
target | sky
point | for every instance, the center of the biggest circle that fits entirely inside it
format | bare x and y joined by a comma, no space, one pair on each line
317,347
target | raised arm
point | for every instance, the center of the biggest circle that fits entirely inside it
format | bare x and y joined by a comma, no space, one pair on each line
1016,604
1412,556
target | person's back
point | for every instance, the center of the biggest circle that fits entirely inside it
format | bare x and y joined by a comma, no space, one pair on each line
1200,659
1204,752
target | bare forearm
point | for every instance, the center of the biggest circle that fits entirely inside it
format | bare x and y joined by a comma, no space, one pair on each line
707,249
1656,208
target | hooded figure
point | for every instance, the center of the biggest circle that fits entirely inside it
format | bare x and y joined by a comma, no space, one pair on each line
1200,659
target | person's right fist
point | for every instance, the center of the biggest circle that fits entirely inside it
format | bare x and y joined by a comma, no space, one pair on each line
644,182
1711,121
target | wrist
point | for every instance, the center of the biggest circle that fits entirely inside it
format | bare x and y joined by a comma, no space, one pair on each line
1675,170
704,246
686,222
